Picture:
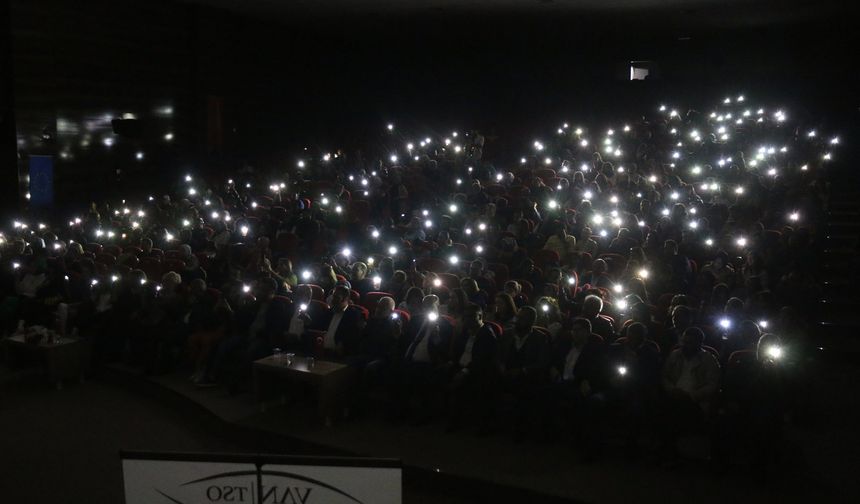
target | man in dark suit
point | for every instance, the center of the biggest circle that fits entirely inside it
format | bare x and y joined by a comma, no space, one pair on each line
591,310
756,395
359,280
524,356
474,368
343,325
259,324
635,366
578,361
579,379
264,321
423,368
428,335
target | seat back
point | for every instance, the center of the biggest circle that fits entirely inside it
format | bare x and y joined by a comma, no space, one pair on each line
497,328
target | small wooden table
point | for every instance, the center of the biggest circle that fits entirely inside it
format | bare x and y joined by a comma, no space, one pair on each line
63,359
331,380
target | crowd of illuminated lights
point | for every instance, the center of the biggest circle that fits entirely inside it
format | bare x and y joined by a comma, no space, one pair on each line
733,123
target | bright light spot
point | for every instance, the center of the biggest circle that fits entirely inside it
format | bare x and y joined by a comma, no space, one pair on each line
725,323
709,242
794,216
774,352
621,369
643,273
742,242
392,250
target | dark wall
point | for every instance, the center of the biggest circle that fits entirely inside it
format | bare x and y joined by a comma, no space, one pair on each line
79,65
8,155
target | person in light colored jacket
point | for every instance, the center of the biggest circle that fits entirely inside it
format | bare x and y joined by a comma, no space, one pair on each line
691,372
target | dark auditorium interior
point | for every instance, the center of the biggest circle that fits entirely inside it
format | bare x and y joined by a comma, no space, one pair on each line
449,251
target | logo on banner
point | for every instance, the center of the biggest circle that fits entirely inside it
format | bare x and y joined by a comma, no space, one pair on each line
281,488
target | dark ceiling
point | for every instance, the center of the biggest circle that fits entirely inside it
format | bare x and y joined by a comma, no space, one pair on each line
683,14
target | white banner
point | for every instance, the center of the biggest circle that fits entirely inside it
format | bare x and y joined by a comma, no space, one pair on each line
167,481
301,484
235,479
